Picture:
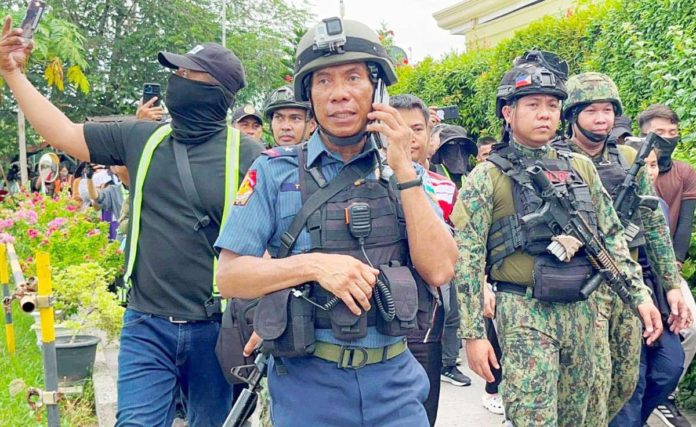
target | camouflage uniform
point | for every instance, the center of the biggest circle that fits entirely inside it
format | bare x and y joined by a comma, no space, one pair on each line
547,347
263,405
618,330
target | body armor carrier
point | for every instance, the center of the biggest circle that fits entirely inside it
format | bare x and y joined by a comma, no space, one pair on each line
385,247
512,233
612,172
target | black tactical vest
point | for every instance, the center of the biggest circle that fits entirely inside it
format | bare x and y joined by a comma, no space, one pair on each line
386,248
510,233
612,172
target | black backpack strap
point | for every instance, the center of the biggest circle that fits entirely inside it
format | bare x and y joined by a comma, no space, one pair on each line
348,176
203,221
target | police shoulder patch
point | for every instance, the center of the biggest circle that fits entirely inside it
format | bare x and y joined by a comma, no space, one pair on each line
246,189
286,151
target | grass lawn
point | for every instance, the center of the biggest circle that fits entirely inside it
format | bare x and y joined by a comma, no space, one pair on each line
27,366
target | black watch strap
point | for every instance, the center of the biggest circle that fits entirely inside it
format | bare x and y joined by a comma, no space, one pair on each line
409,184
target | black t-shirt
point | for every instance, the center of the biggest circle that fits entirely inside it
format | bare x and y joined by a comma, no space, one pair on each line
173,271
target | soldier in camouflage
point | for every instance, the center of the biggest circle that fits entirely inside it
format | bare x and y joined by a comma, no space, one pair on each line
593,103
547,346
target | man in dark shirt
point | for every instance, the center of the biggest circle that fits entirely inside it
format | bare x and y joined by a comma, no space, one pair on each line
171,324
676,185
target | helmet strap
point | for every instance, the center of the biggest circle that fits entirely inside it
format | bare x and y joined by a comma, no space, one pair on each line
596,138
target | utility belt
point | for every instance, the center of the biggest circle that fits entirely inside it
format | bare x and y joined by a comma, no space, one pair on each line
555,281
356,357
286,320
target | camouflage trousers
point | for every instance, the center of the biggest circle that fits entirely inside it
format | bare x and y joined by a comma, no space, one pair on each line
263,405
618,345
547,361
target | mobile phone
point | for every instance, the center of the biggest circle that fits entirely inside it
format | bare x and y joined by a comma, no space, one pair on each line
381,96
35,9
448,113
151,90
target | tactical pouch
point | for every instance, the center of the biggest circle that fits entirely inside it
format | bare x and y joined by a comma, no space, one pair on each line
345,325
404,292
286,324
235,330
559,281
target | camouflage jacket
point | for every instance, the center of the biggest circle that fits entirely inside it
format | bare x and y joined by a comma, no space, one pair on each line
473,216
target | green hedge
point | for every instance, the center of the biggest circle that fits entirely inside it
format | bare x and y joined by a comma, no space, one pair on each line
647,46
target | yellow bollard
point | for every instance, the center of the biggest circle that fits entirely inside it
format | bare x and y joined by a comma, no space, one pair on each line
7,301
43,269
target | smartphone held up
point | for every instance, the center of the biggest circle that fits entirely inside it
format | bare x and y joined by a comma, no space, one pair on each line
151,90
32,17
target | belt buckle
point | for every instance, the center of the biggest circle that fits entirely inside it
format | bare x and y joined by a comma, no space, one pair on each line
173,320
351,356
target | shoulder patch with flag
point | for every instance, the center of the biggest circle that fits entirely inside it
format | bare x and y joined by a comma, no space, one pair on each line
246,189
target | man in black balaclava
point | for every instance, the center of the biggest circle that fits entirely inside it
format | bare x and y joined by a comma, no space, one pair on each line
183,177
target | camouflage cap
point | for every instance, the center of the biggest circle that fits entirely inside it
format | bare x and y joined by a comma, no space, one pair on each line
588,88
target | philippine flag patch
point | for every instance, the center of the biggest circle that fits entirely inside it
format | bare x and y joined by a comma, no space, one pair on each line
246,189
523,81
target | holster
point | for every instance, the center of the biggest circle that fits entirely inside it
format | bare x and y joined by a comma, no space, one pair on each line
236,328
559,281
286,324
404,292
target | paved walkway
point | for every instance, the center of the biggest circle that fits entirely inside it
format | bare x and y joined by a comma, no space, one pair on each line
459,406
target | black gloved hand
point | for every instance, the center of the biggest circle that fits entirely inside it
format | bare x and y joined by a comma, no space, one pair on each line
89,172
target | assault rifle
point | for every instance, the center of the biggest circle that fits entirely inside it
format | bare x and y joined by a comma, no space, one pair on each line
247,398
627,199
563,218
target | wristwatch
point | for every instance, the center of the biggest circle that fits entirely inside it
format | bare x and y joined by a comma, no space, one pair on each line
409,184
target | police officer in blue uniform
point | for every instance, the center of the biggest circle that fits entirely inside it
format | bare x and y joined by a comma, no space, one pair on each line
335,311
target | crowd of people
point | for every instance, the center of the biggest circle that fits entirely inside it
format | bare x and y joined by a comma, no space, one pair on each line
372,238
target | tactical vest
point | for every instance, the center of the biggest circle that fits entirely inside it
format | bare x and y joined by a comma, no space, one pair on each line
511,234
612,172
386,248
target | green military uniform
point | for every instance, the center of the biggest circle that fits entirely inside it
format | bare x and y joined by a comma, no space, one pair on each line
618,338
553,338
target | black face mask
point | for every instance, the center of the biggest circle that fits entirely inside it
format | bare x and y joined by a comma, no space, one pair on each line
198,110
664,153
455,157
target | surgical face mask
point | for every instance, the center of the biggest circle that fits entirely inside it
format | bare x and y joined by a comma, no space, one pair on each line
198,109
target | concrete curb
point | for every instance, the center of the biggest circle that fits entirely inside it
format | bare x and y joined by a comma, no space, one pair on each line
103,378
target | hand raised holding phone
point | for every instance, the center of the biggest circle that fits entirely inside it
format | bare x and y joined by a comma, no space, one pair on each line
14,49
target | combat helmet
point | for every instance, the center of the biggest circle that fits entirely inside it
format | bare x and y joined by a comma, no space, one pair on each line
588,88
284,97
535,72
335,42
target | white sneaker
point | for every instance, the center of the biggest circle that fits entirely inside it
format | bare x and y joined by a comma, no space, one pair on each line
494,403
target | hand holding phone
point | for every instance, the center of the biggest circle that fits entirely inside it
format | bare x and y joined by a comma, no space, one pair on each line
32,17
151,90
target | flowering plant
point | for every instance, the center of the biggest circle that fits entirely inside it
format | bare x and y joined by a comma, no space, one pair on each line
83,261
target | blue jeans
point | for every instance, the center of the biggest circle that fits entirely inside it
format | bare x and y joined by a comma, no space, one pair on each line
660,369
315,392
157,360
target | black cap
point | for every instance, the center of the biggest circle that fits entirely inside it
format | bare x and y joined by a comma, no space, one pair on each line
211,58
246,111
453,134
622,127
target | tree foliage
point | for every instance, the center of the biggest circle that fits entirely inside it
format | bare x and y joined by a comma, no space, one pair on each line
122,38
